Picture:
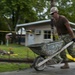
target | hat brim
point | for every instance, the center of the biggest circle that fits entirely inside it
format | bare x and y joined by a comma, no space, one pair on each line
51,13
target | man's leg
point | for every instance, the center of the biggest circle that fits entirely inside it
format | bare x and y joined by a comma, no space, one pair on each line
65,60
66,39
71,51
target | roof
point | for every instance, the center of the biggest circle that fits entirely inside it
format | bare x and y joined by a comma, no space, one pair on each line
39,22
32,23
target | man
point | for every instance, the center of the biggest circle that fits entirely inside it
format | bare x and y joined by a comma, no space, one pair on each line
65,33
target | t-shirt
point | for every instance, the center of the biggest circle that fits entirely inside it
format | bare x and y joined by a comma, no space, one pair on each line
60,25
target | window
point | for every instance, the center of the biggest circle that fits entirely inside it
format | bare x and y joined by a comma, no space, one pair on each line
47,34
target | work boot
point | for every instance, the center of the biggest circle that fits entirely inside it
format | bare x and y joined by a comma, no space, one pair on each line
66,66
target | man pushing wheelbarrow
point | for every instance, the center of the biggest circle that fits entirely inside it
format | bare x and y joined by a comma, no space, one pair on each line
65,33
52,49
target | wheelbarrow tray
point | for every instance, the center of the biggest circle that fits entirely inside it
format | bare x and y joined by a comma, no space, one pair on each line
46,49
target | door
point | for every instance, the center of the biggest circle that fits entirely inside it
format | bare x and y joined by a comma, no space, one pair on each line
30,38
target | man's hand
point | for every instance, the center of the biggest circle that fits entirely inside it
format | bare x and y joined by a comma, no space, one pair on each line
73,39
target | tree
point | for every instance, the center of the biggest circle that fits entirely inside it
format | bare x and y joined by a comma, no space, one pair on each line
24,11
42,9
17,11
67,8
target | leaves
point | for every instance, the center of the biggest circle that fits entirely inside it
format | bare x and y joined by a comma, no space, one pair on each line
14,12
67,7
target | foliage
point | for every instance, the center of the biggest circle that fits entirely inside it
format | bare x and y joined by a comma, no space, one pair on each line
66,7
14,12
42,8
17,11
22,11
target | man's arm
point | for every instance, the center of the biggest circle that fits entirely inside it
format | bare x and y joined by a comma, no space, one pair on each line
69,29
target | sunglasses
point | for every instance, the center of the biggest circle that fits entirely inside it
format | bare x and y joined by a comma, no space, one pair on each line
52,14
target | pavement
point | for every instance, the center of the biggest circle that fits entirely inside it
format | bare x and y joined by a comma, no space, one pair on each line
55,70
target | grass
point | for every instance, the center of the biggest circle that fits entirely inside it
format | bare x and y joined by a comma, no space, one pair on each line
20,52
6,67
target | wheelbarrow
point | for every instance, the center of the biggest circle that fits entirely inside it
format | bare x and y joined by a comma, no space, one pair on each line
46,52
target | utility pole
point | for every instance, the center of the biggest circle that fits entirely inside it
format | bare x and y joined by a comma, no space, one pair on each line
52,29
52,3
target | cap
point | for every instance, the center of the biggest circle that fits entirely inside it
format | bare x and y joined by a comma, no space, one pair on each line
53,9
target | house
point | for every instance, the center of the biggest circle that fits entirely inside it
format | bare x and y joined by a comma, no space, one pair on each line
37,32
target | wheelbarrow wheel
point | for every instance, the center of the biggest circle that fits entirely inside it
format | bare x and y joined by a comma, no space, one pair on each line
38,60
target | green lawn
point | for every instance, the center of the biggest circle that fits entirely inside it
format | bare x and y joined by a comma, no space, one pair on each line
19,53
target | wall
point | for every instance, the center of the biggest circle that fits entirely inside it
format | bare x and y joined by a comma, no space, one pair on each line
38,38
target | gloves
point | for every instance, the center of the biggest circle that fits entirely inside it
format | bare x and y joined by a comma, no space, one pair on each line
73,39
